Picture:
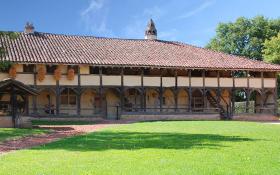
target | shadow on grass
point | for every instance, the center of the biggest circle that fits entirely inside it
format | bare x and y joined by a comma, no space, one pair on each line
106,140
13,133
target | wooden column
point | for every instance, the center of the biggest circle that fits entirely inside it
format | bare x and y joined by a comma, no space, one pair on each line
219,88
34,98
79,93
176,91
247,92
101,110
204,91
160,93
122,90
233,93
276,95
262,95
190,90
57,91
142,91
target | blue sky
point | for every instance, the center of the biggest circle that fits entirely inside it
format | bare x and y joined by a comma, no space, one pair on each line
189,21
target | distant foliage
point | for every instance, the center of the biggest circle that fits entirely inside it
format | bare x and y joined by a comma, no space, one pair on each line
271,51
245,37
5,66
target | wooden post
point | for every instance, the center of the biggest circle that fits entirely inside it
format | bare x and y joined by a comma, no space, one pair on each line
219,88
160,93
204,91
57,90
79,93
122,91
247,92
176,91
190,91
233,94
101,110
142,91
262,95
276,95
34,98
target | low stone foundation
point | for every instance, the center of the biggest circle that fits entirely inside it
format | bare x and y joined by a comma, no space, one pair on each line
171,117
7,122
255,117
87,119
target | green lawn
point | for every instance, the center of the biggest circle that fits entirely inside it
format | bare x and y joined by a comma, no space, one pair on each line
13,133
157,148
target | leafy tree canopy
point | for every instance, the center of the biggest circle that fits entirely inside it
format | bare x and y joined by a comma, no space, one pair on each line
271,51
244,37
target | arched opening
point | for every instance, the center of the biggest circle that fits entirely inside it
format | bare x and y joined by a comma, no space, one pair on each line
46,102
240,97
168,101
68,102
5,104
152,100
112,99
183,100
269,103
90,102
132,100
255,100
197,100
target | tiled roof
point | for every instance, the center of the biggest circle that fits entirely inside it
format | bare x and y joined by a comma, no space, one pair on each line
66,49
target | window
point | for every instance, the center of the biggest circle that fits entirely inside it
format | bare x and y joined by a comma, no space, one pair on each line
50,68
93,70
68,97
28,68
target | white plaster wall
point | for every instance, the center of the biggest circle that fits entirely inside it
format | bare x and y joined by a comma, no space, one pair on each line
197,81
226,82
151,81
93,80
131,80
65,81
27,79
3,76
84,69
255,82
269,82
240,82
211,82
168,81
49,80
113,80
183,81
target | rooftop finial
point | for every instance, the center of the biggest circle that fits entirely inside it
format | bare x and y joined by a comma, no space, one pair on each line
151,31
29,28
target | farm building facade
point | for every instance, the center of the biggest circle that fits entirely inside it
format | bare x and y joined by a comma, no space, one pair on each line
85,76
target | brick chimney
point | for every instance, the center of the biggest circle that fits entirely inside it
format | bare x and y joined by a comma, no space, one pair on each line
29,28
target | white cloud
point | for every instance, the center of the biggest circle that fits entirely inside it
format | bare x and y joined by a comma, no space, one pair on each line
94,18
197,10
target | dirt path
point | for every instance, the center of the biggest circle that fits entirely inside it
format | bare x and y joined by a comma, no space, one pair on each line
59,132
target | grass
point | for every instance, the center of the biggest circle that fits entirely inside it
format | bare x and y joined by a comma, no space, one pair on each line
157,148
46,122
14,133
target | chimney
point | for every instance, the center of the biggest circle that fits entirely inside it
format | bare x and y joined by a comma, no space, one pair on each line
29,28
151,31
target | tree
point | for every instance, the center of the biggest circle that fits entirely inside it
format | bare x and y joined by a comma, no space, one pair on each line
271,51
5,65
244,37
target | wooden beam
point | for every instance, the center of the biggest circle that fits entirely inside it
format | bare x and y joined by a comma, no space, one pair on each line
34,98
160,93
101,110
276,95
247,92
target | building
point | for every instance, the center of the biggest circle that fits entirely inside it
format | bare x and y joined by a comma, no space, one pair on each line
85,76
